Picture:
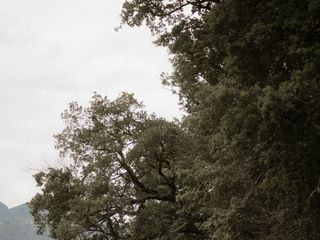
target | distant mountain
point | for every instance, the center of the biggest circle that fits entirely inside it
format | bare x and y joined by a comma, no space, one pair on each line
3,209
16,224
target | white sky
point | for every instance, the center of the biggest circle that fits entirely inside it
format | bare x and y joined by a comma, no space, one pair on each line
53,52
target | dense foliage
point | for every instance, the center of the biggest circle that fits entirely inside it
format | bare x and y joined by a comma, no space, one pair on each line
123,181
244,164
248,73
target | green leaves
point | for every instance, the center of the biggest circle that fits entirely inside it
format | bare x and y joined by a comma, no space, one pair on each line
243,164
247,72
124,168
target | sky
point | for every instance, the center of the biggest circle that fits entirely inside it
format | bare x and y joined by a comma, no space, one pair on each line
53,52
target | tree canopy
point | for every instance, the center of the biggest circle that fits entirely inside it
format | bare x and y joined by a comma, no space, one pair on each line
248,74
245,161
123,181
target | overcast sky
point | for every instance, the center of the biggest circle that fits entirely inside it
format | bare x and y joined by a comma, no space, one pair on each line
53,52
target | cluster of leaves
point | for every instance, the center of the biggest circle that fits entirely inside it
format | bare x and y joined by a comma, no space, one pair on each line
244,164
248,74
122,183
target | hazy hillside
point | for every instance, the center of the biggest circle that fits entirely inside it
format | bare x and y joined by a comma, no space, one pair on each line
16,224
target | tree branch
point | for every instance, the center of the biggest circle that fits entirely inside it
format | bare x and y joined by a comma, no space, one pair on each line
135,180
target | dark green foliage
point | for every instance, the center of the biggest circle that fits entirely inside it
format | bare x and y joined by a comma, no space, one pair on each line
242,42
122,183
245,162
248,73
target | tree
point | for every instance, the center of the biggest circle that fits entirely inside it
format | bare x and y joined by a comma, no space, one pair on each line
248,74
245,43
244,164
123,180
